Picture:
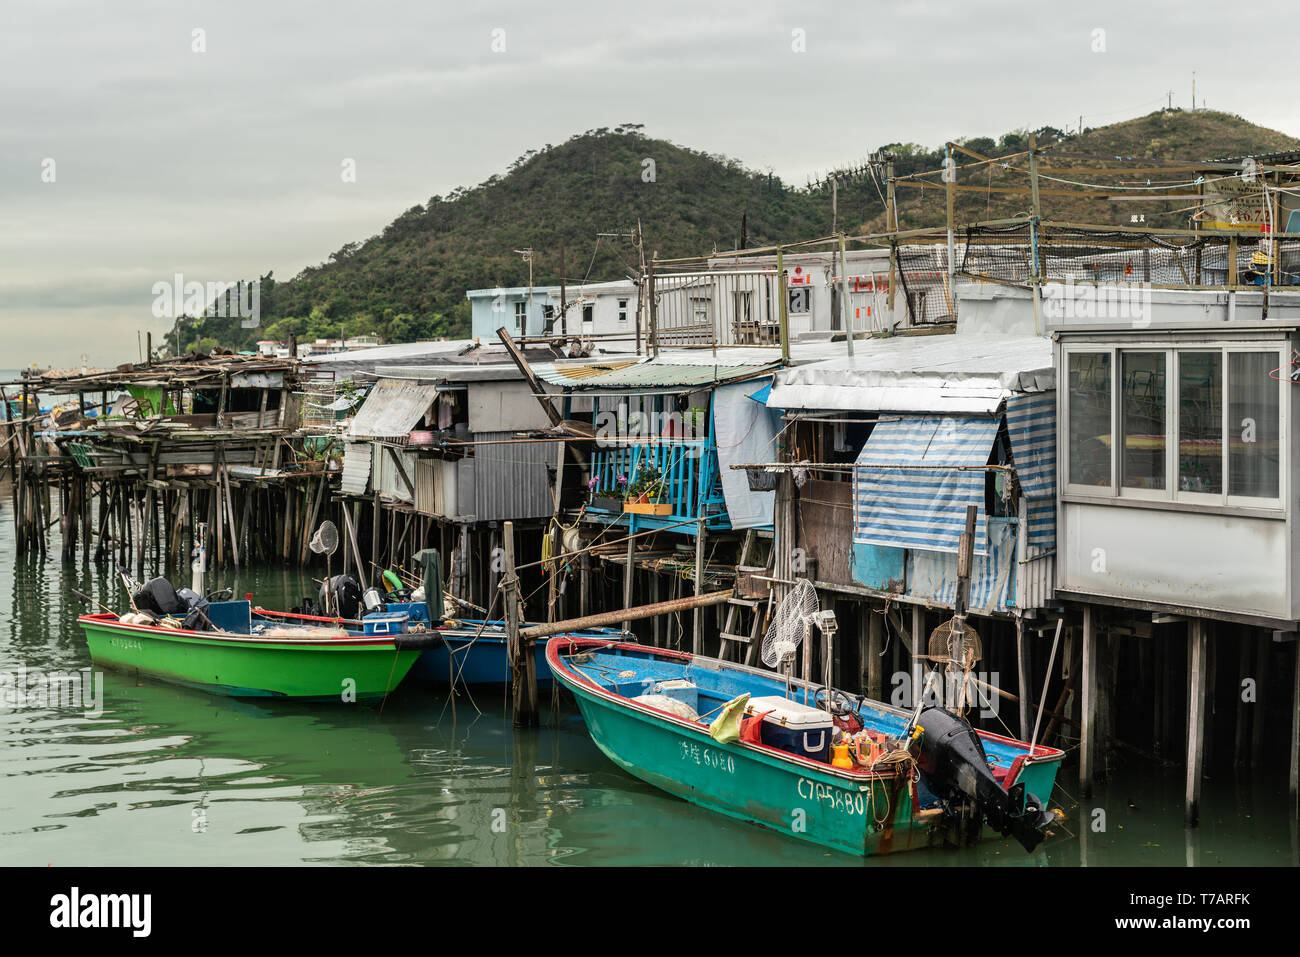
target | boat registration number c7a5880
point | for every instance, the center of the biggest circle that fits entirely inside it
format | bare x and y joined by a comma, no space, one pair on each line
838,799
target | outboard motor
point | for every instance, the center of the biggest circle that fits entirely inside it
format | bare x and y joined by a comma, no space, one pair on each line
158,596
345,594
373,600
955,767
197,606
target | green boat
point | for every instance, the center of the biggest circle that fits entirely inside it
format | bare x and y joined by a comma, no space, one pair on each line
649,709
256,653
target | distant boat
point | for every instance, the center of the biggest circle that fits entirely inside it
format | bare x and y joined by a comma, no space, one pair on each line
257,653
649,710
473,653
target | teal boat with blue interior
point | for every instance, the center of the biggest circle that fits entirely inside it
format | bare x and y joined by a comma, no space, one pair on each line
914,781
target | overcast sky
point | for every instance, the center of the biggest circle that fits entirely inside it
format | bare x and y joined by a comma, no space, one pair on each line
222,163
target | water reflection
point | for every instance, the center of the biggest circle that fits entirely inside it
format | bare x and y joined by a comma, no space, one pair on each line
173,776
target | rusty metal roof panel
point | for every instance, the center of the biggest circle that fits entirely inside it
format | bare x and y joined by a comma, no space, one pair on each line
653,374
392,410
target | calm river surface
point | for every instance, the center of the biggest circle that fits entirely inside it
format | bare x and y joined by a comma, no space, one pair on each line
171,776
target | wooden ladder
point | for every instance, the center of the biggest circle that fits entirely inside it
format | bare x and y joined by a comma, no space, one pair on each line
759,608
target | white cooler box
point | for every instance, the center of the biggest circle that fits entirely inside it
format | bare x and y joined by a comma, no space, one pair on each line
794,727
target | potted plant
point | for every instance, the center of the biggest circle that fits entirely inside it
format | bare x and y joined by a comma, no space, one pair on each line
606,499
645,493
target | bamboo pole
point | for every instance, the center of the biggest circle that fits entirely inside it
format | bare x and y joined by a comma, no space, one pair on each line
607,618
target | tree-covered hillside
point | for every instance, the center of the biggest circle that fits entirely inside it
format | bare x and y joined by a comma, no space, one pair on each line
409,281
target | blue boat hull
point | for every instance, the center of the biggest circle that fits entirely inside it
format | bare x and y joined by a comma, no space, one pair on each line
484,662
470,657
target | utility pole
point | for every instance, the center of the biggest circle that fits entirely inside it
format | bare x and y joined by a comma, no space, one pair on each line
835,204
528,258
564,306
891,225
643,285
783,314
846,308
950,178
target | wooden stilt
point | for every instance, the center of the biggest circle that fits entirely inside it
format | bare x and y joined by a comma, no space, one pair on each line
1295,736
523,671
627,568
1022,678
1088,704
1195,719
374,541
1211,674
1262,650
1244,708
919,644
584,584
697,616
873,671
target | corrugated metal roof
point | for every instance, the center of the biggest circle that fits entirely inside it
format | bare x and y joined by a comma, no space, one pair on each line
564,374
650,374
510,479
356,468
391,410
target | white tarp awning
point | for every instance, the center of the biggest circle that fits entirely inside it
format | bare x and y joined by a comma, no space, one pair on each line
942,373
745,432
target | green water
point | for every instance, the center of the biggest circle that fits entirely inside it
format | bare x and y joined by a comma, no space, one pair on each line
171,776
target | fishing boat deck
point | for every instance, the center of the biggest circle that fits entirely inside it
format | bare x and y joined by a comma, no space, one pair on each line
717,684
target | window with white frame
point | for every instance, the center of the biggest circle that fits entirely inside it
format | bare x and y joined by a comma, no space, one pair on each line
798,300
622,310
521,315
1196,423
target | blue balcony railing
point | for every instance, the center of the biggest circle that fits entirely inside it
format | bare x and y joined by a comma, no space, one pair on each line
692,485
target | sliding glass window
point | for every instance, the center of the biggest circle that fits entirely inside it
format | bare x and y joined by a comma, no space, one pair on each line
1090,423
1254,449
1142,412
1200,425
1200,422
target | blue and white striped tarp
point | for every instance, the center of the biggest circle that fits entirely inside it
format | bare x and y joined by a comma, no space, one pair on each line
1031,426
933,575
922,508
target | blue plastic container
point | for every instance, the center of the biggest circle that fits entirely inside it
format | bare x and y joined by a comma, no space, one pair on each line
417,611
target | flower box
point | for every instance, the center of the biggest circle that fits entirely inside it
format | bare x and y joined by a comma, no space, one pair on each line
648,508
606,503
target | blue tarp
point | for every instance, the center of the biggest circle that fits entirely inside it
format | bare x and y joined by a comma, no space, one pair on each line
1031,427
922,508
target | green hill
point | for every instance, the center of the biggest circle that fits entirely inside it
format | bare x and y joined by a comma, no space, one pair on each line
409,281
